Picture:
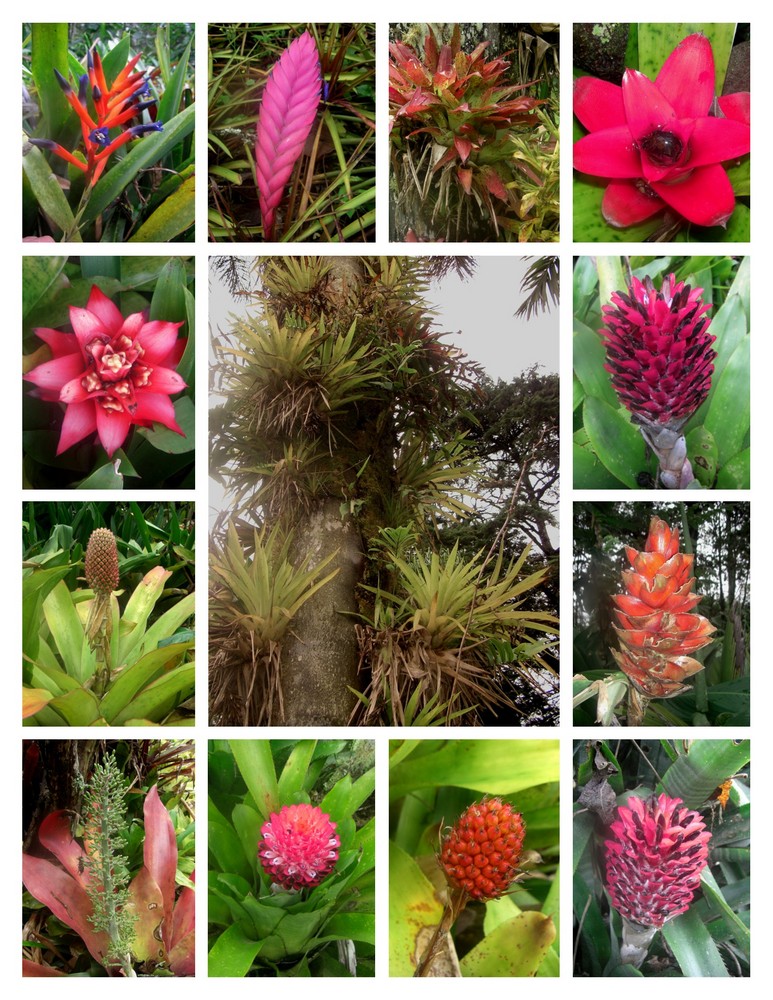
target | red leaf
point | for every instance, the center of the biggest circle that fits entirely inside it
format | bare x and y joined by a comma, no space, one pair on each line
160,852
464,175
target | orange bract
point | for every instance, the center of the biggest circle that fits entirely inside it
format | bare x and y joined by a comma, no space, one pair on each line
656,629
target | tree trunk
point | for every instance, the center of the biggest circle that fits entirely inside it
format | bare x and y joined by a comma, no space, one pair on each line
319,656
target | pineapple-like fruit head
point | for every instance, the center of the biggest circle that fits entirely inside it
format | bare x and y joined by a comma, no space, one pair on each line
658,627
659,351
101,564
481,852
654,858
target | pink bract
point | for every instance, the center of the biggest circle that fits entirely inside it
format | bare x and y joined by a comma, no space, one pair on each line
659,143
111,373
299,846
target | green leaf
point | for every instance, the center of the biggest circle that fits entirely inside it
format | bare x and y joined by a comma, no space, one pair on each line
497,767
729,414
49,52
146,152
694,776
48,192
618,444
107,477
131,681
233,953
589,359
515,948
693,946
78,707
736,475
173,217
68,634
413,908
703,454
169,104
159,698
43,277
254,760
292,780
589,473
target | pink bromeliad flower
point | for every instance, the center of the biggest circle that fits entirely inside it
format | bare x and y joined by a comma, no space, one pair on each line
111,373
299,846
662,143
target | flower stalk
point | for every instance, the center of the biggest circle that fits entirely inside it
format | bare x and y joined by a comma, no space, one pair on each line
105,824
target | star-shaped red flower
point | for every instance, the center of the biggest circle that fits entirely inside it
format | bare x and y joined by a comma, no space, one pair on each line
111,373
662,143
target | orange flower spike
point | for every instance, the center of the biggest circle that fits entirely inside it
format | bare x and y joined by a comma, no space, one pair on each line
72,99
123,76
655,625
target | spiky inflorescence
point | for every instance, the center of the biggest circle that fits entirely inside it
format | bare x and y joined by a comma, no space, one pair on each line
481,851
287,111
655,859
659,351
656,627
102,562
299,846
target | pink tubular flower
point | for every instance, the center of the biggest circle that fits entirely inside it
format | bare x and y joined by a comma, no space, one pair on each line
110,373
655,859
661,143
299,846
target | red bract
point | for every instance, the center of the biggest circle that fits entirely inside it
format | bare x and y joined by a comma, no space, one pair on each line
299,847
111,373
480,853
654,859
661,143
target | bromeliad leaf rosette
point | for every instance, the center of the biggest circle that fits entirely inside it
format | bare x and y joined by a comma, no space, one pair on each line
660,358
658,628
654,858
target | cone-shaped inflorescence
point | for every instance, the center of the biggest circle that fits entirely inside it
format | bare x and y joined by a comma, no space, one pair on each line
658,628
654,859
299,846
480,853
287,112
102,562
660,357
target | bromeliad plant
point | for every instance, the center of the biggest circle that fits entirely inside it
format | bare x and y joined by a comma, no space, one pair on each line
86,662
291,881
129,922
661,389
670,150
643,844
102,186
441,865
306,171
455,125
111,394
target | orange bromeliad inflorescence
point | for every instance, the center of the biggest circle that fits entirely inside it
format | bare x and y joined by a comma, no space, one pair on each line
113,107
480,853
658,628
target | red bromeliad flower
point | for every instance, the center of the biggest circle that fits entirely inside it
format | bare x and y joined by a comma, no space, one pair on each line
661,360
654,859
662,143
299,846
114,106
480,854
658,625
111,373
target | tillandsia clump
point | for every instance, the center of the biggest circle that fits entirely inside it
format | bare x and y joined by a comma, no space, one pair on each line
287,112
662,143
479,857
104,109
453,117
101,568
105,826
660,358
298,847
654,858
658,627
